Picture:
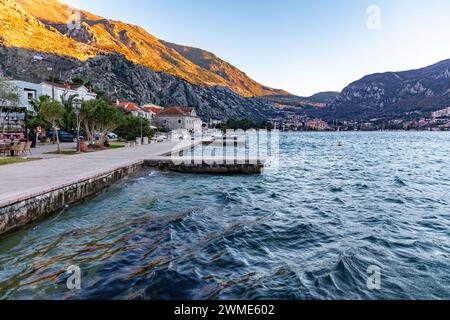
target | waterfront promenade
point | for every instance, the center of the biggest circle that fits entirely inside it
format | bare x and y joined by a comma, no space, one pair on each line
24,180
32,190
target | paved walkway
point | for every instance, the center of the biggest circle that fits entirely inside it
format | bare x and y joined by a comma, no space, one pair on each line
42,150
23,180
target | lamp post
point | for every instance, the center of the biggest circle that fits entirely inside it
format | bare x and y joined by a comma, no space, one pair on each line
76,105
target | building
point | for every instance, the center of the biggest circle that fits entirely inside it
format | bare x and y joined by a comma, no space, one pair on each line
152,110
214,122
146,112
444,113
317,124
32,91
132,108
175,118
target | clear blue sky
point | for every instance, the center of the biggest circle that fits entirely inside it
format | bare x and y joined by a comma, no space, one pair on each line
303,46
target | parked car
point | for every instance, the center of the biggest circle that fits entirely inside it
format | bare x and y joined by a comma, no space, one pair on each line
113,137
64,136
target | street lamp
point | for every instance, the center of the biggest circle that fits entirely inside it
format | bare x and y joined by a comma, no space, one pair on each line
76,105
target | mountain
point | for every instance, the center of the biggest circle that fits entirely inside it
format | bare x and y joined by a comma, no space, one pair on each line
393,95
124,80
282,101
42,25
323,97
235,77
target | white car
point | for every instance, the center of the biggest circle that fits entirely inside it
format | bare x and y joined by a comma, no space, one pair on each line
113,137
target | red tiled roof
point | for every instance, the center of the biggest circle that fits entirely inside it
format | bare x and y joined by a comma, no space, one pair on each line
129,106
177,111
154,109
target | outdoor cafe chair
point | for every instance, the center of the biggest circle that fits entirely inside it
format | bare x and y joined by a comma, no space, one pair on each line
4,148
18,148
28,148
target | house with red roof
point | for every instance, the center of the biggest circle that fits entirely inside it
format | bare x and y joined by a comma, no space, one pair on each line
152,110
175,118
135,110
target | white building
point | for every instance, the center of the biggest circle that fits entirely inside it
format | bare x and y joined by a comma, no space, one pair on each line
441,113
32,91
136,111
152,110
175,118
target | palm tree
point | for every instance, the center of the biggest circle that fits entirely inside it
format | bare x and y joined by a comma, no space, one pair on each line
36,118
68,121
37,104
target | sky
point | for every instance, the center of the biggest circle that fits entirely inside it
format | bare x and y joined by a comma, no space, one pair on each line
302,46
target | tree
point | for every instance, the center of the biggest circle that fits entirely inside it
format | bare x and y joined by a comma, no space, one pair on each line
130,127
69,118
77,81
34,117
97,116
52,112
9,97
36,105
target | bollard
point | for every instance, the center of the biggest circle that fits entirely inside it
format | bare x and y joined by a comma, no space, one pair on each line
225,149
192,149
235,150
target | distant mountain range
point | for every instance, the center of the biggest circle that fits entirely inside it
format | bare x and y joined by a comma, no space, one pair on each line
323,97
127,63
283,101
42,25
123,60
392,95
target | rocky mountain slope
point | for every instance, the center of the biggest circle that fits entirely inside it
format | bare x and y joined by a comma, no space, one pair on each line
42,25
282,101
122,79
393,95
238,79
323,97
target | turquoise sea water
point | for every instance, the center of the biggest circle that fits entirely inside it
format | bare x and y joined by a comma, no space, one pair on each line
308,231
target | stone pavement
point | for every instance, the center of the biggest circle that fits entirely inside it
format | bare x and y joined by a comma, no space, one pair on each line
42,150
30,179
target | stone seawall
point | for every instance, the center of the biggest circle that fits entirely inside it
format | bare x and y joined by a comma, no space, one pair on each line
35,207
209,165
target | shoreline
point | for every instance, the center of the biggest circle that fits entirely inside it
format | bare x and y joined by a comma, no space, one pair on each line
35,191
39,191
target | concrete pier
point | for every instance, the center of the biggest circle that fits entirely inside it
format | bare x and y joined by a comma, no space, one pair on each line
209,165
32,190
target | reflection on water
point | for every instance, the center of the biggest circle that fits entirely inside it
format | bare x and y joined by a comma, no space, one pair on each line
309,231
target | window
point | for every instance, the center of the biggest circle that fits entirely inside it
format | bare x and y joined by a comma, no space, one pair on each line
179,121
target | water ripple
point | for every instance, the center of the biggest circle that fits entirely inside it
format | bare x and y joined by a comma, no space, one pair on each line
309,231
